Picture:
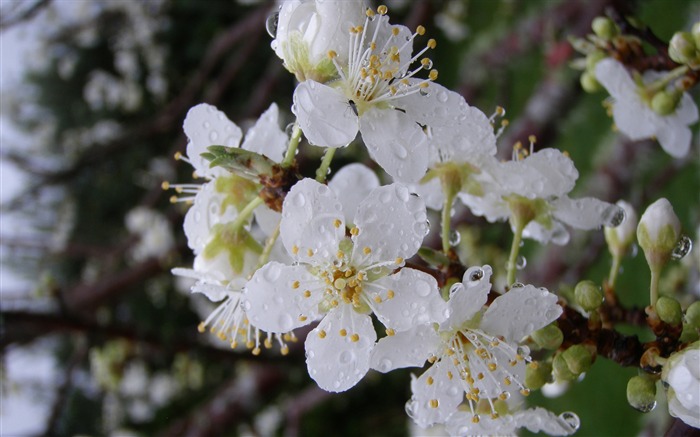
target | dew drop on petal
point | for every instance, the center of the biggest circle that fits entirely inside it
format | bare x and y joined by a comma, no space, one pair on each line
422,288
289,129
272,273
442,96
520,262
213,136
299,200
455,238
570,419
385,365
474,275
613,216
684,246
346,356
646,407
517,285
271,24
456,287
285,322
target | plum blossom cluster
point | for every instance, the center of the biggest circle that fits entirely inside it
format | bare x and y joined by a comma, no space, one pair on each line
280,251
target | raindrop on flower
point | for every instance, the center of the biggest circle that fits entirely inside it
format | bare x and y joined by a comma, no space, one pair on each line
289,129
455,238
475,274
520,262
634,250
646,408
684,246
424,92
428,64
613,216
271,24
517,285
456,287
570,419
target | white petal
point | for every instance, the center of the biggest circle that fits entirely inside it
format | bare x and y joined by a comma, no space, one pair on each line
467,297
267,219
556,233
213,292
634,119
336,362
490,205
266,137
204,213
206,126
396,143
587,213
392,223
416,299
324,114
615,78
405,349
540,420
430,192
335,19
677,409
443,389
545,173
460,424
687,111
519,312
273,304
352,184
674,139
312,220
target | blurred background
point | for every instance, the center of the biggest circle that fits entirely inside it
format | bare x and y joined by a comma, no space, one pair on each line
99,338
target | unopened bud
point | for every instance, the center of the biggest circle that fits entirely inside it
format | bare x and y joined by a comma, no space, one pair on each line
549,337
669,310
641,393
589,83
689,334
621,237
537,376
666,102
593,58
588,295
578,358
682,48
692,315
604,28
561,369
695,31
658,232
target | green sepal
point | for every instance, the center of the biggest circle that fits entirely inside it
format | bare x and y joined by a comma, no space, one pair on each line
433,257
235,243
239,161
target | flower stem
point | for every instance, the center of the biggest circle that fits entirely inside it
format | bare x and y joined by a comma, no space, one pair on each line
322,171
514,249
245,213
292,148
265,255
614,270
663,82
446,218
654,286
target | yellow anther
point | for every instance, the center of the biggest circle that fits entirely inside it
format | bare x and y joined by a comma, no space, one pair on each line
337,223
307,293
173,199
256,351
249,344
382,9
449,375
390,332
507,380
432,43
434,403
359,28
432,359
310,252
369,12
393,90
398,260
201,327
390,294
494,415
517,146
267,343
492,366
373,46
420,30
354,231
405,82
566,153
234,345
525,392
354,338
424,85
284,350
332,54
340,254
343,332
503,396
367,250
430,380
475,419
433,75
504,123
302,318
377,299
334,303
395,31
534,365
295,284
177,156
165,185
425,62
532,139
321,334
339,283
480,376
178,189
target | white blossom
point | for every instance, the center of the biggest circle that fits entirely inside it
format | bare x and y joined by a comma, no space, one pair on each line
155,236
533,419
682,376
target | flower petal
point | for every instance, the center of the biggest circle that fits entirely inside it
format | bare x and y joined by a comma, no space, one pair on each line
267,219
467,297
266,137
555,233
324,114
586,213
205,212
416,299
674,138
312,222
545,173
520,311
392,224
541,420
206,126
337,362
430,192
436,394
352,184
405,349
274,304
615,78
396,143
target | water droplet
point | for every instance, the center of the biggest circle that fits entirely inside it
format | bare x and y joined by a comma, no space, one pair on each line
613,216
213,136
456,287
346,356
684,246
271,24
428,64
455,238
421,228
506,395
272,273
646,408
385,365
206,125
442,96
423,288
474,274
517,285
289,129
453,391
520,262
424,92
299,200
245,305
402,193
399,150
285,322
570,419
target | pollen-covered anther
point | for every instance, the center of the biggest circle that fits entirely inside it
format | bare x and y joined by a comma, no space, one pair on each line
377,299
434,403
475,418
295,249
420,30
432,43
165,185
370,13
429,380
234,344
343,332
390,332
366,250
492,367
503,396
354,338
390,294
267,343
307,293
284,350
337,223
249,344
256,351
354,231
310,253
295,284
302,318
525,392
433,75
321,334
449,375
201,327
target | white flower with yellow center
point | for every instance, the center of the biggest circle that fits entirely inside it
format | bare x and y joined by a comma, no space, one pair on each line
345,279
535,420
373,96
474,352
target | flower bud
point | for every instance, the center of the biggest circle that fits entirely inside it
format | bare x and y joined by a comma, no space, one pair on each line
538,375
641,393
681,375
589,83
669,310
561,369
549,337
682,48
695,31
593,58
578,359
666,102
588,295
621,237
692,315
658,232
604,28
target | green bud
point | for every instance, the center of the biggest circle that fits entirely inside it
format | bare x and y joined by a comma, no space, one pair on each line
589,83
669,310
593,58
578,358
692,315
537,375
641,393
604,28
682,48
658,232
689,334
549,337
561,369
588,295
695,31
666,102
